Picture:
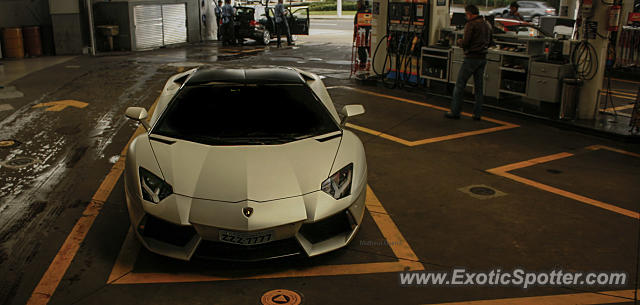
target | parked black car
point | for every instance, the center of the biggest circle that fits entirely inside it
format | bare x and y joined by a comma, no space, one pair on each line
257,22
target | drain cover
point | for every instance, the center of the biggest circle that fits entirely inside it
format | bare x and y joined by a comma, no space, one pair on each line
482,191
9,143
282,297
19,162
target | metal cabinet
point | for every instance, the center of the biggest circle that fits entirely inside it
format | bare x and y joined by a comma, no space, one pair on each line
545,79
543,88
492,79
435,63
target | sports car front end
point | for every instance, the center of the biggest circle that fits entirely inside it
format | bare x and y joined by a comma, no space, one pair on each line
222,196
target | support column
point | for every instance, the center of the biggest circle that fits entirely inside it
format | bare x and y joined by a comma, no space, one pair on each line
378,31
590,91
438,20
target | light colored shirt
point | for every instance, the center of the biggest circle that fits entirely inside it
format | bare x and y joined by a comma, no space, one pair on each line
279,12
227,13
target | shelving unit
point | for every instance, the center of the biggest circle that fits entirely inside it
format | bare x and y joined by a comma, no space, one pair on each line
514,75
435,63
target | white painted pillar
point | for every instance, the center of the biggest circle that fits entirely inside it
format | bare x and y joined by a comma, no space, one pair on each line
590,90
339,8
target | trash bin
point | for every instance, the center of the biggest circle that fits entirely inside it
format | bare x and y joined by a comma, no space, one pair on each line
569,99
13,45
32,40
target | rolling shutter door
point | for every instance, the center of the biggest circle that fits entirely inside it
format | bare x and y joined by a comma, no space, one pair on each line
148,26
174,19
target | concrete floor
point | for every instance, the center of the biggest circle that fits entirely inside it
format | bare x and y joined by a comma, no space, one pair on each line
64,226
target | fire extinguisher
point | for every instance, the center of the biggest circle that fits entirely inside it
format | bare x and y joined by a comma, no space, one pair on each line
614,17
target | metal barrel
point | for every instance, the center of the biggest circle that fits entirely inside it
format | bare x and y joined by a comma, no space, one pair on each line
32,40
13,43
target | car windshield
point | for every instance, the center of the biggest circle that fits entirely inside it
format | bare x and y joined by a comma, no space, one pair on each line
245,114
244,11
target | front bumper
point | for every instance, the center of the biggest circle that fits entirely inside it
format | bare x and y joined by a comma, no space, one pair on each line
182,227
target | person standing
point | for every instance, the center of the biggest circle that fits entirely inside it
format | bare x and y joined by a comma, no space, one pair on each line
362,49
228,31
282,25
475,43
218,12
513,12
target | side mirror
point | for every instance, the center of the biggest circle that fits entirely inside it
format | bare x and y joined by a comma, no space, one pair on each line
138,114
349,111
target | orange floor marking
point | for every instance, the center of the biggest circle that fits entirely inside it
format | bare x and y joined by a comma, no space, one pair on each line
504,172
620,151
61,262
505,125
625,80
633,98
122,272
604,297
623,92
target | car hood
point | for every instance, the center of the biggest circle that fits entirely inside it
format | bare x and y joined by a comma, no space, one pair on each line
240,173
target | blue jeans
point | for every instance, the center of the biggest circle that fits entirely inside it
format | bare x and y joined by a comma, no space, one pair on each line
283,28
470,67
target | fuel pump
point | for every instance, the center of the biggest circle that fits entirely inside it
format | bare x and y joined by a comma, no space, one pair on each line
406,34
400,28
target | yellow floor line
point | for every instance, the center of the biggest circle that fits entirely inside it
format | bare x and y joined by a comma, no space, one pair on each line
505,125
504,172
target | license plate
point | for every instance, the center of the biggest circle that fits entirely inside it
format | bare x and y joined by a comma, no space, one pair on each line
245,238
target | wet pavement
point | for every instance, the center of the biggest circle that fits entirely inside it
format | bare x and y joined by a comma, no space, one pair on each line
573,205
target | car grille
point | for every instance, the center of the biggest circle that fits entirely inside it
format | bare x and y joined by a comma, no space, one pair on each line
226,251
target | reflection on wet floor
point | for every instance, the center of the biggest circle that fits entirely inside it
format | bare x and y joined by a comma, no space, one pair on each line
11,70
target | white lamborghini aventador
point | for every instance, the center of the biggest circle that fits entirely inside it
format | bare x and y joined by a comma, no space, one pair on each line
245,165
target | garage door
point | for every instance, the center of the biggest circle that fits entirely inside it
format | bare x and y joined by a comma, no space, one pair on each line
174,18
148,26
159,25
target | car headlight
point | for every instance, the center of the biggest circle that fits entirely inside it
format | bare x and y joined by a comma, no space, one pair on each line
154,189
339,184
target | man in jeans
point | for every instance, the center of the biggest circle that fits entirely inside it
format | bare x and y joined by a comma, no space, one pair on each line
228,31
475,42
282,25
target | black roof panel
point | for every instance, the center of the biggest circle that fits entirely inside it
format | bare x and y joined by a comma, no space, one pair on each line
246,76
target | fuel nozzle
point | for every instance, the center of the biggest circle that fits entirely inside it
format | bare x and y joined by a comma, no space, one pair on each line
414,42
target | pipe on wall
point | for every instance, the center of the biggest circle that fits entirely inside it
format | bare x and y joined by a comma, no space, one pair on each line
92,34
